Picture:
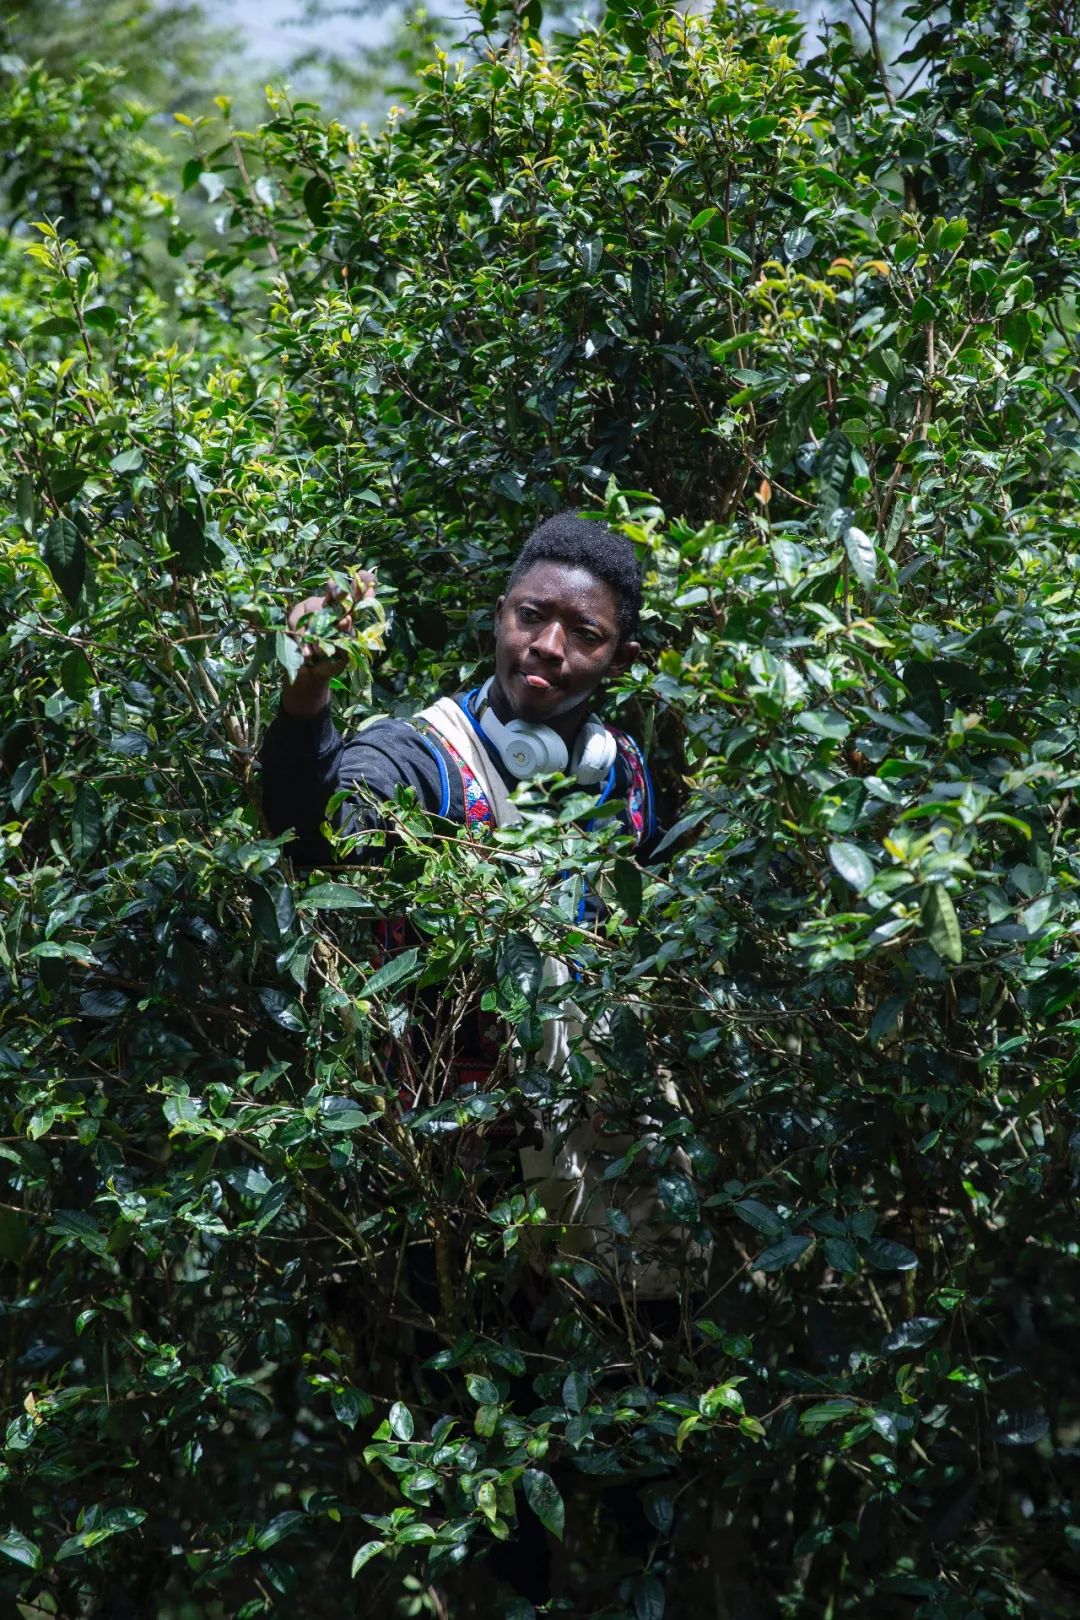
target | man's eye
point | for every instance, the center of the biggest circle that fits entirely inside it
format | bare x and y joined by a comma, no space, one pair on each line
529,615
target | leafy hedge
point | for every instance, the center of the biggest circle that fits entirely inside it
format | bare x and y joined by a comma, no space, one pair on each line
811,339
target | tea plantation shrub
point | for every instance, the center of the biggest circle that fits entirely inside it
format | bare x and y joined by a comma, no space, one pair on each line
276,1344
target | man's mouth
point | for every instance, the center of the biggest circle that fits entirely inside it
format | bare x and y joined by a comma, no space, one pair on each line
538,683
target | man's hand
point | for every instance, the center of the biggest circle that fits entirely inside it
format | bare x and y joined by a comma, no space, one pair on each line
309,693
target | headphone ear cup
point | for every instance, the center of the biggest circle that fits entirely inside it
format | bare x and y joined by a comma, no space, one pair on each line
531,750
556,757
595,753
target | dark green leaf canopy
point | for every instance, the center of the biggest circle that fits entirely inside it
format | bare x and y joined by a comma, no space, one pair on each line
280,1301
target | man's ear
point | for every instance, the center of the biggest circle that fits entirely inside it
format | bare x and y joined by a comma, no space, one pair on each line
498,610
625,654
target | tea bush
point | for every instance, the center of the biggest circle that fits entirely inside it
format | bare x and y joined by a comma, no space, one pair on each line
276,1342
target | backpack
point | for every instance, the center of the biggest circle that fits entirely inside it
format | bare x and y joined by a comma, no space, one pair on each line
480,818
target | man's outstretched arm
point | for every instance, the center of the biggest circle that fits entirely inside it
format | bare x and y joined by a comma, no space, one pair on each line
305,760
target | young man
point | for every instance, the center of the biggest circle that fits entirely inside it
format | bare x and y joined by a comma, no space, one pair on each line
565,625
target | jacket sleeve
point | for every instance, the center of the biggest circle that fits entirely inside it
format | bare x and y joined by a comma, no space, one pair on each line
306,760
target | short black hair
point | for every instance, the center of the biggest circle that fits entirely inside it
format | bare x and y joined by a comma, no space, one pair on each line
584,542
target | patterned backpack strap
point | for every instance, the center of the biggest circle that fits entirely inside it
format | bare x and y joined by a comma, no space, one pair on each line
479,816
640,806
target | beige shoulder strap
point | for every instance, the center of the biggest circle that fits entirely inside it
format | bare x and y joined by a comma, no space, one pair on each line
445,718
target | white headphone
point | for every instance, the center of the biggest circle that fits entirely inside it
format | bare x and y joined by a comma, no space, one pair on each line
527,750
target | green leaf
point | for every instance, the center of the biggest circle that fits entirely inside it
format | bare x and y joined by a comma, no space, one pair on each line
281,1008
885,1425
953,234
648,1598
1020,1428
761,128
65,554
862,554
270,1206
331,897
14,1545
833,472
828,723
941,923
349,1405
853,864
25,781
1016,329
626,1043
782,1254
797,244
592,252
364,1555
486,1421
529,1031
825,1413
885,1255
77,1224
105,1004
417,1484
793,424
659,1508
102,316
288,654
509,484
56,326
520,962
401,1421
542,1495
760,1217
885,1018
393,974
482,1390
128,461
911,1335
76,676
341,1114
86,822
629,888
317,196
678,1194
841,1253
575,1391
281,1525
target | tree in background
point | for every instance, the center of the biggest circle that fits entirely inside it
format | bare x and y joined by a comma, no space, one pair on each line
362,82
811,341
167,52
81,138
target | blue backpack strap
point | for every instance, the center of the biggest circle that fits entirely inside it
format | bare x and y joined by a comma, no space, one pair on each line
444,775
479,816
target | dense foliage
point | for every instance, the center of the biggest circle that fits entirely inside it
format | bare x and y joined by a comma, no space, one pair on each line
810,337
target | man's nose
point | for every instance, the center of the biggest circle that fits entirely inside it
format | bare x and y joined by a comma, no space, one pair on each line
550,641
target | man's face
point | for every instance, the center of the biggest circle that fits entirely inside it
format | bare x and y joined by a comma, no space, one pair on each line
556,639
